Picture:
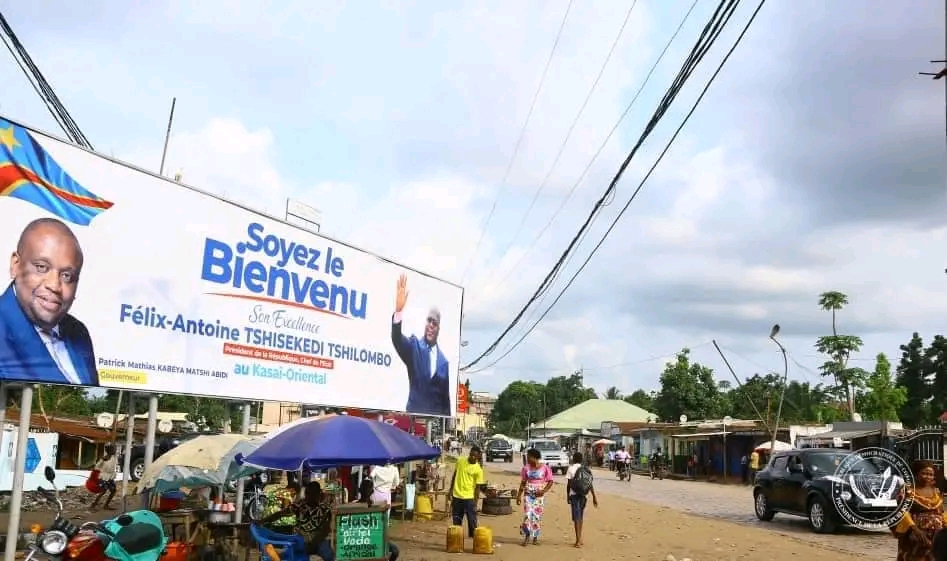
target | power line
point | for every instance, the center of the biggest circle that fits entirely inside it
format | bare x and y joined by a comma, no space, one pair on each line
519,141
42,87
651,358
538,306
712,30
598,152
710,33
571,129
30,79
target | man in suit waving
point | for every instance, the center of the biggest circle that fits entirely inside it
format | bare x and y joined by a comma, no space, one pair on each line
39,340
428,369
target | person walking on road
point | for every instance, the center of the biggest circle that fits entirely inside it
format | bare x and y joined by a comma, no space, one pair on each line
465,486
745,468
535,481
578,486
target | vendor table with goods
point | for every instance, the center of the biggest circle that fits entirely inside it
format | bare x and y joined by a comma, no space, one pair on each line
193,534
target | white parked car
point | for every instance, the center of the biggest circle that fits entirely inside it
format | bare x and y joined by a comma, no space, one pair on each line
553,455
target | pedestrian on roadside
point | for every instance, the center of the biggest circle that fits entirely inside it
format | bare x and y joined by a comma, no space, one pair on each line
745,468
754,465
578,486
106,466
467,483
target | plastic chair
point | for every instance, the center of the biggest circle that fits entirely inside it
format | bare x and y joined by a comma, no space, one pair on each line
291,548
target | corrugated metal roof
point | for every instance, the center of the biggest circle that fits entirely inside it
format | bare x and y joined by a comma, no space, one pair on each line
843,434
591,413
700,435
67,427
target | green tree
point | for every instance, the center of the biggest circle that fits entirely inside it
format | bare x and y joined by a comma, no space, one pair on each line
642,399
839,348
809,404
206,412
613,393
687,389
912,375
563,392
882,398
756,396
518,405
936,359
109,403
53,402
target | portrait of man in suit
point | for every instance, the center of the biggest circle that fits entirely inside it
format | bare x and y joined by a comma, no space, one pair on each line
39,341
428,369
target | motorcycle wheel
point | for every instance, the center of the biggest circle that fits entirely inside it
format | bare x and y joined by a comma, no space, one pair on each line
255,509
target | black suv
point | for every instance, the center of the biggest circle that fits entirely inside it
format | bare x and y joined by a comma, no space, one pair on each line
162,446
801,483
497,449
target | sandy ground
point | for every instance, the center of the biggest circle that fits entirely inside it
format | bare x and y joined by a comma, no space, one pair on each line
619,529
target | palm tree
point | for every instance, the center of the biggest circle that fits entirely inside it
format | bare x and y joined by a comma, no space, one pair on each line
612,393
833,301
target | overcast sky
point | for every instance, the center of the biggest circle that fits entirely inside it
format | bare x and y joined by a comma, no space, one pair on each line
816,162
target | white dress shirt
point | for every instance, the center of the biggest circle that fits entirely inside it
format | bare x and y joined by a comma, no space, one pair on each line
60,354
433,360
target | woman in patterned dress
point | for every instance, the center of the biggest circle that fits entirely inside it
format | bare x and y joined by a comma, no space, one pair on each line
919,527
536,480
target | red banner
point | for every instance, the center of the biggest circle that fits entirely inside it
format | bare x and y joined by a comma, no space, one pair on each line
403,422
462,399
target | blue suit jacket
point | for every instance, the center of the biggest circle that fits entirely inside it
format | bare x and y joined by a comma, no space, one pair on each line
426,394
25,358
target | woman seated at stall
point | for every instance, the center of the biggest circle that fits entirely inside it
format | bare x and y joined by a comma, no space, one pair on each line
313,516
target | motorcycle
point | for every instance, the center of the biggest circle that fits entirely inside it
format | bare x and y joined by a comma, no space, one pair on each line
624,471
657,469
254,501
134,536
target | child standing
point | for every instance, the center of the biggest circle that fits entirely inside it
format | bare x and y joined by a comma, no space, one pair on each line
579,485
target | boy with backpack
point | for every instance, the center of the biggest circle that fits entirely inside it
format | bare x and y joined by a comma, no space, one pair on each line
579,485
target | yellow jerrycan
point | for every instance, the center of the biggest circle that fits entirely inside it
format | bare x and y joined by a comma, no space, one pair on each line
423,507
483,541
455,539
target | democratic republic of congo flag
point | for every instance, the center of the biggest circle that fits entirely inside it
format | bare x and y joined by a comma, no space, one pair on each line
29,173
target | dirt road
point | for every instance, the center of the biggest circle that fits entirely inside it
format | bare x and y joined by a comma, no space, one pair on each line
625,529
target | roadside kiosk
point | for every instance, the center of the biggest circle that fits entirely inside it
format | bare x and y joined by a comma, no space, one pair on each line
359,532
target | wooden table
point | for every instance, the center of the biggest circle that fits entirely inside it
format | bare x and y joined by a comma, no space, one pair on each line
229,538
175,519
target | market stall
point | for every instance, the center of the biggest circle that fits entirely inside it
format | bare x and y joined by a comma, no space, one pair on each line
186,489
358,531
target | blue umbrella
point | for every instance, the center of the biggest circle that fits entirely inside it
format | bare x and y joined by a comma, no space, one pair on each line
338,441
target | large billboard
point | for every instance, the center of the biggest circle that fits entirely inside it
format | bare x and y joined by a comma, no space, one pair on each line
122,279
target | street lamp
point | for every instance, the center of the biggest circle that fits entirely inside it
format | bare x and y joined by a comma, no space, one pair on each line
779,409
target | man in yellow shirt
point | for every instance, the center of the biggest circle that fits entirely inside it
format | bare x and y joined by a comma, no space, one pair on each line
754,466
466,485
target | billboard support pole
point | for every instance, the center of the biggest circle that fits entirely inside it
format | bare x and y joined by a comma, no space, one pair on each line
150,431
3,405
245,431
19,472
127,456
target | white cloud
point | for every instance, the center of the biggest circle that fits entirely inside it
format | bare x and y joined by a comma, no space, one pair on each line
398,124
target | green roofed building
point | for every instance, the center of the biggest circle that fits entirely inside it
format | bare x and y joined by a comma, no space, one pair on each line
587,417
